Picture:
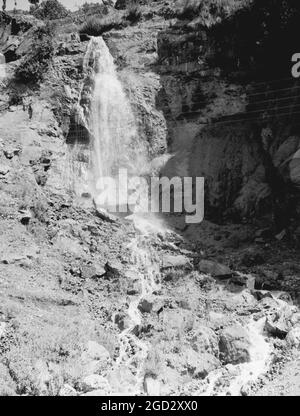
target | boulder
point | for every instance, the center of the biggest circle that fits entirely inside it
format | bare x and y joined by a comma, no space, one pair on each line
95,382
151,386
92,271
71,47
67,390
293,337
11,47
96,351
234,345
205,364
261,294
25,216
277,326
96,393
238,280
138,330
105,215
205,340
282,235
294,168
145,305
278,323
114,267
184,304
120,4
121,320
198,366
178,261
11,152
281,295
4,169
134,288
286,150
295,319
214,269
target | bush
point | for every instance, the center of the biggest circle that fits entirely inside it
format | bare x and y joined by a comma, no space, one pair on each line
134,13
15,98
93,9
208,10
50,10
36,63
96,26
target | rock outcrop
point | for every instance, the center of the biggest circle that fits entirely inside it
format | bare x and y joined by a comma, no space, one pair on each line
234,345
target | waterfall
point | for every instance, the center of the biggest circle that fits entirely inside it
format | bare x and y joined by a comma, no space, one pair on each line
115,142
115,145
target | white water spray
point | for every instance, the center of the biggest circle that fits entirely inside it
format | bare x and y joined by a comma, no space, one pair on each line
115,145
112,122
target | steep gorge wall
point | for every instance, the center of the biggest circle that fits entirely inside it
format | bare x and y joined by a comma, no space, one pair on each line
229,121
203,103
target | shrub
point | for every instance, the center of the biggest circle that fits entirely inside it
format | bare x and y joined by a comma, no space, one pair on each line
50,10
15,98
208,10
134,13
36,63
93,9
96,26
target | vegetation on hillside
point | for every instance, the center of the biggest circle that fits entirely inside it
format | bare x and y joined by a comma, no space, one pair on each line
208,9
49,10
93,9
134,12
33,67
96,25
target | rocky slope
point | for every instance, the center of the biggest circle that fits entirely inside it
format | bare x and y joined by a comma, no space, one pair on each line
70,278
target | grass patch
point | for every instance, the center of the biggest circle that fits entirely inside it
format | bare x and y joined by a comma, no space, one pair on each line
49,10
96,26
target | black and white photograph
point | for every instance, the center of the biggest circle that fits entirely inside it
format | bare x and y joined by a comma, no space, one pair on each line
149,201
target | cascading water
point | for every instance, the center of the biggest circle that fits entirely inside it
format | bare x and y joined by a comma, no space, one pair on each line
133,352
112,122
115,145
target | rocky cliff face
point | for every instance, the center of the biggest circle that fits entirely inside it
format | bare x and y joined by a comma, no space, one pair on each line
196,96
224,125
67,274
202,100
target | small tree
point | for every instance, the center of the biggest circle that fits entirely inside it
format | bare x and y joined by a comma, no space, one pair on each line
4,5
50,10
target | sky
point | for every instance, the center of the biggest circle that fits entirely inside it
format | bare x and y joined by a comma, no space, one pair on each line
70,4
